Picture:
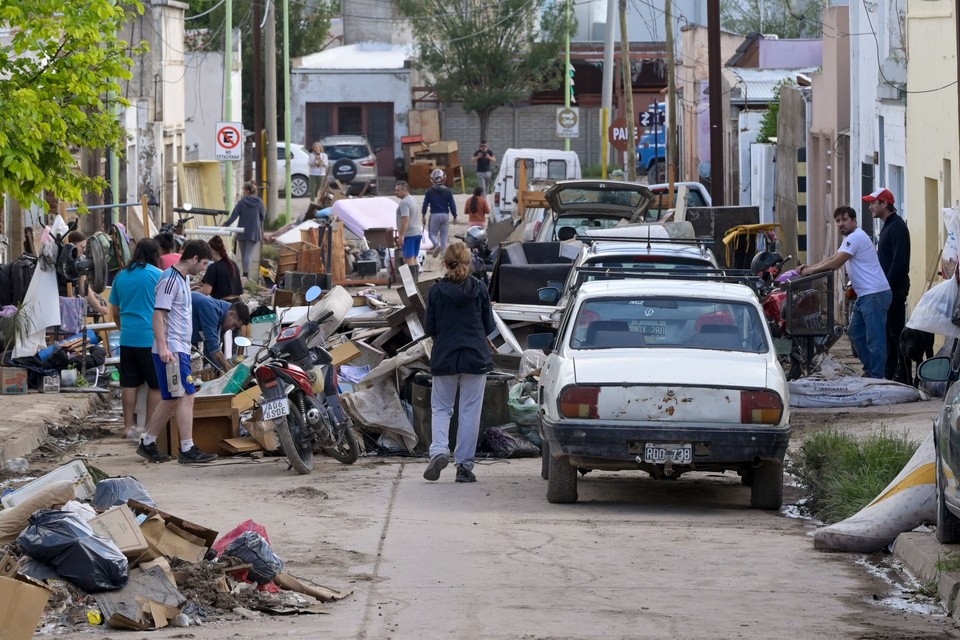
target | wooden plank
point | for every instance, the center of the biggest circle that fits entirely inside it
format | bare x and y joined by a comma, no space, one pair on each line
241,445
338,259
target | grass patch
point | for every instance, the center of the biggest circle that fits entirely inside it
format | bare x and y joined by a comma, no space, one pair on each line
844,473
279,221
948,562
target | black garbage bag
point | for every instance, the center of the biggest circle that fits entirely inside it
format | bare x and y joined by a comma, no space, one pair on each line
253,549
506,441
116,491
62,540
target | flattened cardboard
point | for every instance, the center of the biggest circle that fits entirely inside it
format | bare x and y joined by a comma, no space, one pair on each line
209,536
344,353
241,445
124,608
264,432
120,525
21,605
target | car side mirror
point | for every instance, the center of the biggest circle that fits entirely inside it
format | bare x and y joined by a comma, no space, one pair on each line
548,295
542,341
936,369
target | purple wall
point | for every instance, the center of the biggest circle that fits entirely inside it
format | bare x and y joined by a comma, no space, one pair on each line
790,54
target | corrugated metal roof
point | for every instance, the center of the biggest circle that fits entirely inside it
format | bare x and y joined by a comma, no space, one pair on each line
362,56
755,86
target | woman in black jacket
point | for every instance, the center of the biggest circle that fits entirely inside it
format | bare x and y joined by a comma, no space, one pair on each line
459,318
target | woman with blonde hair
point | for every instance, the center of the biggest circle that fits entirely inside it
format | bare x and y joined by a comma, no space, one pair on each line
459,318
249,214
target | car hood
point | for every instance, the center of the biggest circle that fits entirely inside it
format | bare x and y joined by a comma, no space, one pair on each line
626,199
680,367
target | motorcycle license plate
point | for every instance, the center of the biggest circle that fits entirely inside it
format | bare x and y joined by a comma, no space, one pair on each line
660,453
276,409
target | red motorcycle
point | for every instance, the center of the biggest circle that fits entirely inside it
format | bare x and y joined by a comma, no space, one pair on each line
307,421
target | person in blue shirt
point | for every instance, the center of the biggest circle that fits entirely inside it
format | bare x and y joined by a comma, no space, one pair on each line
439,200
211,318
131,304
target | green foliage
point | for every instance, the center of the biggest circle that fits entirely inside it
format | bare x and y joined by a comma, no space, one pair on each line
948,562
844,473
488,54
10,327
60,74
279,221
785,18
768,125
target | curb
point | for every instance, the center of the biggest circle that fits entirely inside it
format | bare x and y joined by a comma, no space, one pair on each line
920,553
29,429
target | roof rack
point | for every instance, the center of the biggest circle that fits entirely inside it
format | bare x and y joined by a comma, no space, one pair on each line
704,240
730,276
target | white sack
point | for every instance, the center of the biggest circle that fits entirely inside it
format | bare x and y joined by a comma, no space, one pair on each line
849,391
378,407
934,312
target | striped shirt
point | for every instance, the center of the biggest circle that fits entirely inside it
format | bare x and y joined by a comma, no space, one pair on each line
173,296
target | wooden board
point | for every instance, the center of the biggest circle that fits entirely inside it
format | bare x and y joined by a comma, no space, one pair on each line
338,264
241,445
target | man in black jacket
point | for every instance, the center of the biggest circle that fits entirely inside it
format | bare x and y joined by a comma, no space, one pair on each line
893,250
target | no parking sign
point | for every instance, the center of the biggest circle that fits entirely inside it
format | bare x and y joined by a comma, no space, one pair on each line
229,139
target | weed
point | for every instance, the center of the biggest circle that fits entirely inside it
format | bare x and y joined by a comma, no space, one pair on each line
948,562
279,221
844,473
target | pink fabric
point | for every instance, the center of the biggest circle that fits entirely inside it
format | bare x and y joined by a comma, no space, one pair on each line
167,260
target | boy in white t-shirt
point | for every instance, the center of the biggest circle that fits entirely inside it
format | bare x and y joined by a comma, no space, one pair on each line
868,318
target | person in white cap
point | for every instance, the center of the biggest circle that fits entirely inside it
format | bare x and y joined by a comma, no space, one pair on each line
893,250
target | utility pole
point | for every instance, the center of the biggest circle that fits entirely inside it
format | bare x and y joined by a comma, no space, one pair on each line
626,67
673,145
567,80
716,105
228,89
606,99
258,136
270,80
286,104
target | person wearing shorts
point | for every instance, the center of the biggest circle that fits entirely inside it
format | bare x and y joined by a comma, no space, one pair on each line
172,330
131,305
409,227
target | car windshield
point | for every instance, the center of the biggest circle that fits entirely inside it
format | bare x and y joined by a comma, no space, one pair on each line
576,225
668,322
351,151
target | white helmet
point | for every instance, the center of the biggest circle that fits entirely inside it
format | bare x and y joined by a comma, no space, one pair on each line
437,176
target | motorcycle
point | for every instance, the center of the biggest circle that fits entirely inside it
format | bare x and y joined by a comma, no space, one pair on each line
475,238
307,422
799,311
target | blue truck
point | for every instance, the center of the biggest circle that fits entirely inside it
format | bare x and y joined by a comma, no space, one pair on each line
652,156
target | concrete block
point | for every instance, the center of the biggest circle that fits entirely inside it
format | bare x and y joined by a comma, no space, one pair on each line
919,552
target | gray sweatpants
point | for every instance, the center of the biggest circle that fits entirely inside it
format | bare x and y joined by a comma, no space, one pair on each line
468,419
439,226
246,253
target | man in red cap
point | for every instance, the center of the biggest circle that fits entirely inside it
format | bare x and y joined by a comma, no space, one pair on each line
893,250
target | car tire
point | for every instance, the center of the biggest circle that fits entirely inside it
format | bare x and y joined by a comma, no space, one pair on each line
545,460
657,172
948,525
766,492
299,186
562,481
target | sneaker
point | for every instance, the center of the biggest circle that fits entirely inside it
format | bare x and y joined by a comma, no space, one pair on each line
437,463
464,474
196,456
151,453
436,251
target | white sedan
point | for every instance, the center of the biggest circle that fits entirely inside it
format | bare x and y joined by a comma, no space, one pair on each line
665,376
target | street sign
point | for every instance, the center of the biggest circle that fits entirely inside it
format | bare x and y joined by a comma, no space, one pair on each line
568,122
653,118
617,134
229,141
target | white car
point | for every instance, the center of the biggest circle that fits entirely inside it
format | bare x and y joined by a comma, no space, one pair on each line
299,169
667,376
697,196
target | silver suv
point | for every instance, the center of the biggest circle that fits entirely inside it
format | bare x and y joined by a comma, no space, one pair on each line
352,160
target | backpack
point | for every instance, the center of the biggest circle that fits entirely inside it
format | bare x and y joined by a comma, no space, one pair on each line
21,272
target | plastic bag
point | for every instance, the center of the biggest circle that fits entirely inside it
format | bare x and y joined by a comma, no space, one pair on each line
951,248
253,549
935,310
522,410
116,491
68,544
505,441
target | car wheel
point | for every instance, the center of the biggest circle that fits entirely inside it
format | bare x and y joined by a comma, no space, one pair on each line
766,492
562,481
299,185
545,460
948,525
657,172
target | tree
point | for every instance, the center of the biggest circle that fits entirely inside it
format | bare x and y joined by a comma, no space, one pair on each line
487,54
60,70
785,18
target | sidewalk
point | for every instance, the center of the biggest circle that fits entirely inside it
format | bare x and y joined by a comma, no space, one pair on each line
25,418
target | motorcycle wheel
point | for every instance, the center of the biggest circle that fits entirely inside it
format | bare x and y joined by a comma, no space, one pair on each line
347,450
291,433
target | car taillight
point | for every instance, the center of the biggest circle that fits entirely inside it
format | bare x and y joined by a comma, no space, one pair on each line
368,163
579,402
266,377
760,407
496,198
290,333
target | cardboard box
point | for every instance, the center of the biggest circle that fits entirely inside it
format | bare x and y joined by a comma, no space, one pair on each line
21,605
166,532
264,432
13,381
343,353
51,384
444,146
120,525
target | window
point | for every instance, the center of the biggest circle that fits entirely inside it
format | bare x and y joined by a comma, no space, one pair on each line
516,171
557,169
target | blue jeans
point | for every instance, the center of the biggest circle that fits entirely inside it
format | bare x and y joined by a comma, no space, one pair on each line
868,331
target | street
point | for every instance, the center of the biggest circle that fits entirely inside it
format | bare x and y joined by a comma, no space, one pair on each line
635,558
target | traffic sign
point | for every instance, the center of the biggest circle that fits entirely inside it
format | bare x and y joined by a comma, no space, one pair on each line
229,139
617,134
568,122
653,118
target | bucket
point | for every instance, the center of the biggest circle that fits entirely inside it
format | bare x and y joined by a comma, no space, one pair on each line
238,378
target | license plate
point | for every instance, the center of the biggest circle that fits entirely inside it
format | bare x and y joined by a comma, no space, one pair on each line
656,330
276,409
660,453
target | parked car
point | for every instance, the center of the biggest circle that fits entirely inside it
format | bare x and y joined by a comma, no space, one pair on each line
947,454
357,160
697,196
665,376
580,205
652,156
299,169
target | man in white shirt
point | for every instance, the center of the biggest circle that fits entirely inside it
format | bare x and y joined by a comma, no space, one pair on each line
868,318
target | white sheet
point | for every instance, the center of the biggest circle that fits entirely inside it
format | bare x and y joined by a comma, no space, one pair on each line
41,305
360,214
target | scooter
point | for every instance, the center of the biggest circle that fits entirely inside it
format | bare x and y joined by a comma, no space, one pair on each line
306,421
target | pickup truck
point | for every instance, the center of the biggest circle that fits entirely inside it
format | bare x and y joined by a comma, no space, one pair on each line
652,156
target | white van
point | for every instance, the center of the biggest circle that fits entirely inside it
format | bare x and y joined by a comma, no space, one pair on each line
542,164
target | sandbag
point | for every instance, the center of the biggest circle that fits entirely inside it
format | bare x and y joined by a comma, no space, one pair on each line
67,543
14,519
907,502
849,391
112,492
252,548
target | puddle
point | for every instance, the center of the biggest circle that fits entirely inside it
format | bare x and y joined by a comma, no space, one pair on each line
905,593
